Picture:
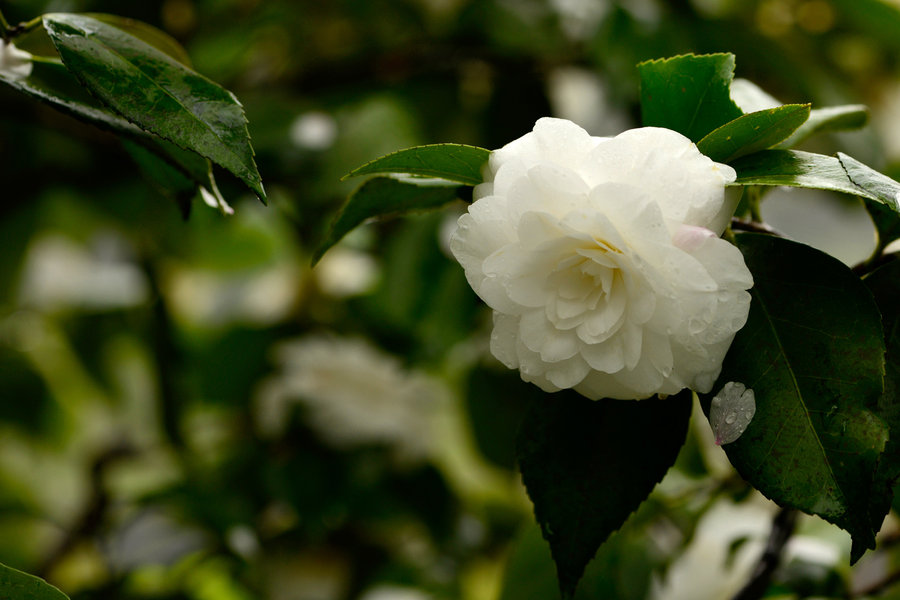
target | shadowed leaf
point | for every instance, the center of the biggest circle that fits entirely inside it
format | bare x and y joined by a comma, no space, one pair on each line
588,465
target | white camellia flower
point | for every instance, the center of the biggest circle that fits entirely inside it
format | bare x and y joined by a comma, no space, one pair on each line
602,261
354,395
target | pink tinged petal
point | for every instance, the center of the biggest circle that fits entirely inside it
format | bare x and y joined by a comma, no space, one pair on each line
691,237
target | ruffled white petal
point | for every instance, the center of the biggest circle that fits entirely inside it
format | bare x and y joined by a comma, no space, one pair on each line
602,261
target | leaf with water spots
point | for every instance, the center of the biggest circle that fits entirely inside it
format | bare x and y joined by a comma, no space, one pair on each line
813,353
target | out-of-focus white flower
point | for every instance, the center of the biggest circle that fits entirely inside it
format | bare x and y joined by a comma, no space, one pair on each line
345,272
354,395
211,298
714,566
602,261
60,273
14,63
394,592
313,131
750,97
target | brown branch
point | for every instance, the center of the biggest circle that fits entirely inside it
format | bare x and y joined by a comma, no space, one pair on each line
782,529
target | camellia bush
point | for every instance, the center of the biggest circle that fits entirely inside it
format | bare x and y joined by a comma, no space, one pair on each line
627,275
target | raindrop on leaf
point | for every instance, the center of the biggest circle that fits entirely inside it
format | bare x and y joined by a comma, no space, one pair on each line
731,411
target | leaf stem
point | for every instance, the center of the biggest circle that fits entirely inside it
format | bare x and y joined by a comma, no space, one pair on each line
4,27
9,33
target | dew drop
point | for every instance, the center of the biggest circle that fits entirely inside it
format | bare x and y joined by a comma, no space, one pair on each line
731,411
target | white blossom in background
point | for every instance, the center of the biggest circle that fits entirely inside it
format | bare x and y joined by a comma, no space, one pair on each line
602,261
749,97
344,272
14,63
712,567
313,130
60,273
353,394
394,592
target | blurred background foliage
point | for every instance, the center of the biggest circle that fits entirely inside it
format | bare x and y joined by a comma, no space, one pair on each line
189,411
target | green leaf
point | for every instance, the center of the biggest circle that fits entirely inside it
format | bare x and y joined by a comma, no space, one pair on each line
884,283
167,179
688,93
813,353
16,585
383,196
753,132
53,85
453,162
832,118
156,92
880,188
796,169
885,209
588,465
155,37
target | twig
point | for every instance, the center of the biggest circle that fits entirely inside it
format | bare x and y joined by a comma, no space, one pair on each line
879,586
753,226
94,513
782,529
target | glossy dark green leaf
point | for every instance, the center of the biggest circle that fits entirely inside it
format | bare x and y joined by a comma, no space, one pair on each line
156,92
688,93
884,283
588,465
832,118
16,585
383,196
454,162
874,184
753,132
796,169
53,85
885,209
813,353
155,37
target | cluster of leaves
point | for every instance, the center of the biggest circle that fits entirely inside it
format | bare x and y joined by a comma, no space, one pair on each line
132,79
815,348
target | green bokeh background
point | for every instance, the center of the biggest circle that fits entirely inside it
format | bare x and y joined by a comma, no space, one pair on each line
135,345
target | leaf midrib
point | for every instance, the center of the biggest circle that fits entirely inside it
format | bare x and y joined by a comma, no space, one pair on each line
111,50
796,385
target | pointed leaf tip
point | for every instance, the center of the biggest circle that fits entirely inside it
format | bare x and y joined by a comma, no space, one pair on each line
156,92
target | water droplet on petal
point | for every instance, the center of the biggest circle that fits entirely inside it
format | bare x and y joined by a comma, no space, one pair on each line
731,411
